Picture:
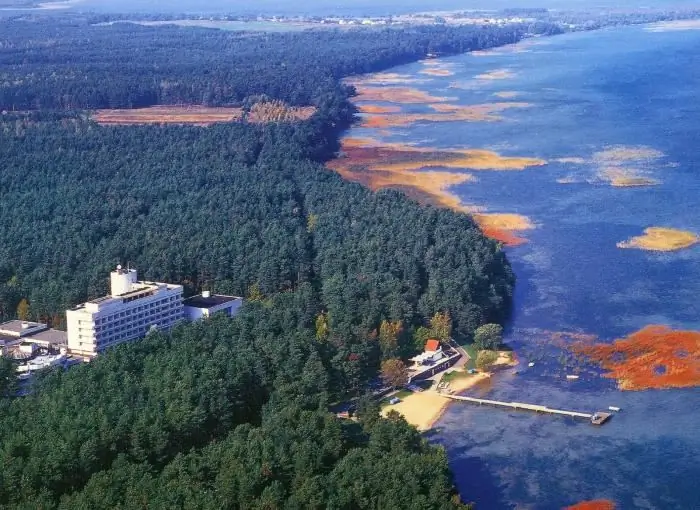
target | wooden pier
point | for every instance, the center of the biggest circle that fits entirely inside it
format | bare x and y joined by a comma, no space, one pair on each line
597,418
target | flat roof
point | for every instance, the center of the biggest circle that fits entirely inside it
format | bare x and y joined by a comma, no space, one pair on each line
200,301
15,327
144,289
9,340
46,336
51,336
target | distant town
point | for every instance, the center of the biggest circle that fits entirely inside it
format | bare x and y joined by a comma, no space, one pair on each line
233,22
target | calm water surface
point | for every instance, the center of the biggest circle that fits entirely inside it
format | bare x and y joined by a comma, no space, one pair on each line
625,88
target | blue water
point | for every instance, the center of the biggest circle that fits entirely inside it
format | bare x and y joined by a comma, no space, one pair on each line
590,92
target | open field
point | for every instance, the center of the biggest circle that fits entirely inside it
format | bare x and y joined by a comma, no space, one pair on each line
196,115
201,115
277,111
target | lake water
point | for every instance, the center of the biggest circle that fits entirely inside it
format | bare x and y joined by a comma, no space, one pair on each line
621,100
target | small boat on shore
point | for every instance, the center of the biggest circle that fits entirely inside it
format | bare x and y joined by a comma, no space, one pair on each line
531,364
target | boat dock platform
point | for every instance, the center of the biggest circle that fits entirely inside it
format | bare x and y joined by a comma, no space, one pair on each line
597,418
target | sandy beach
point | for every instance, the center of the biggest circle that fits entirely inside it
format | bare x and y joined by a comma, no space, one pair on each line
425,408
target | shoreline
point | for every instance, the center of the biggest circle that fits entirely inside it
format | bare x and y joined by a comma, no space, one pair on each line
424,409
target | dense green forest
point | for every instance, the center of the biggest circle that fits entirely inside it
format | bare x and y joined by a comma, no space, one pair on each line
227,413
223,414
67,63
229,207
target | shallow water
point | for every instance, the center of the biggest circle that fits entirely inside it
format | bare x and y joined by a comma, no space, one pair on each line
593,94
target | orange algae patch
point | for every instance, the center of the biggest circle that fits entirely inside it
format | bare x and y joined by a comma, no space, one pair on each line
474,159
381,79
571,161
464,85
425,187
402,95
352,142
506,237
446,113
661,239
656,357
383,121
506,94
437,72
501,227
519,47
625,166
478,109
504,221
360,164
619,178
497,74
569,179
375,155
375,108
596,504
404,167
623,154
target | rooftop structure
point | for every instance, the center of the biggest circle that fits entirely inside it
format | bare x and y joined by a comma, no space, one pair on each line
129,312
17,332
432,345
41,362
19,329
431,354
207,304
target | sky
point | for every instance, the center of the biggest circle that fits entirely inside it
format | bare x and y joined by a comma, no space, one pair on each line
348,7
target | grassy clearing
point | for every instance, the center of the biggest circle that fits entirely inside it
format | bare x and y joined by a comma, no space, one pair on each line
401,394
457,374
473,353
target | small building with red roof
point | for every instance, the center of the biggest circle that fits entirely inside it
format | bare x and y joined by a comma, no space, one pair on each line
431,353
432,345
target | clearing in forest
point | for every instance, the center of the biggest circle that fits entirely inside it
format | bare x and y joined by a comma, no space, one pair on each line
273,111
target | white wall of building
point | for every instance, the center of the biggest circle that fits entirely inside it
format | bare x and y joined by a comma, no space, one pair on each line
122,281
111,320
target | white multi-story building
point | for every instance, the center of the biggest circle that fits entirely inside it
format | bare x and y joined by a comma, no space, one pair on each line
131,310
